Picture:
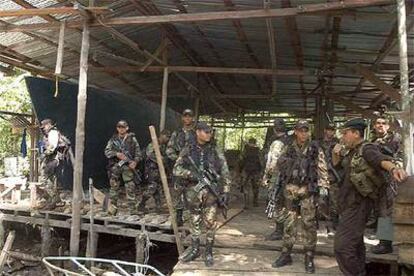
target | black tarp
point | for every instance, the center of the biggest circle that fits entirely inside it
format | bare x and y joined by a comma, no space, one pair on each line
104,109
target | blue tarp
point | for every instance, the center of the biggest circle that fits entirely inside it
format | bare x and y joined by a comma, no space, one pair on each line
104,109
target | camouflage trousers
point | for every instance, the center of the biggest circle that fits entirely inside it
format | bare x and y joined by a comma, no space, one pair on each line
48,178
154,185
250,182
328,207
299,207
203,209
116,175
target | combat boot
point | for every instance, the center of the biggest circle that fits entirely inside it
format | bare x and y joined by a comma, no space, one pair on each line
309,265
208,254
179,218
383,247
192,252
141,205
157,204
277,235
284,259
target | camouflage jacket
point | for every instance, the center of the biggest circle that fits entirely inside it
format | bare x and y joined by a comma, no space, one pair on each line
205,157
179,139
277,148
327,147
250,159
150,158
127,144
304,165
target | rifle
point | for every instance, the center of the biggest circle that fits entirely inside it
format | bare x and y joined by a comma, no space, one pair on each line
121,163
274,192
208,179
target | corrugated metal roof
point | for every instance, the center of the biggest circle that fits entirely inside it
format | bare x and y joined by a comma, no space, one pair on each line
226,43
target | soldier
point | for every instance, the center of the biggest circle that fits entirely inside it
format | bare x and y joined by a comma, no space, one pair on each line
179,139
304,175
152,173
390,144
250,167
55,150
196,158
124,154
271,171
329,202
363,164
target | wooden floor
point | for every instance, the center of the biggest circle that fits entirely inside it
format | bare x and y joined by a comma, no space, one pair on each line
241,249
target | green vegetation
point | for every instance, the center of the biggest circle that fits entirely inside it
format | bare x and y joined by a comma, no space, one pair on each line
13,98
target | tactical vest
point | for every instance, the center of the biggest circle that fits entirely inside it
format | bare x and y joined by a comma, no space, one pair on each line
365,178
184,138
206,157
126,145
251,159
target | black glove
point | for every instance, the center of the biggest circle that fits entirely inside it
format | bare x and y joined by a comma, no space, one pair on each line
224,199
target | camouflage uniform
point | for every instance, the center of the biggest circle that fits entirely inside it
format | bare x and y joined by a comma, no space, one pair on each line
179,139
329,208
201,204
302,183
55,147
251,168
119,145
271,173
152,175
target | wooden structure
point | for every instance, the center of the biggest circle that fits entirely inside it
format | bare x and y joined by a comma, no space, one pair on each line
230,57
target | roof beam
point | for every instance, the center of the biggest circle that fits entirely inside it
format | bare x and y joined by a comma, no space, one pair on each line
272,46
211,16
347,103
201,69
48,11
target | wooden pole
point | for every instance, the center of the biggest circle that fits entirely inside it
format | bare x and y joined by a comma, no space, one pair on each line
408,127
167,194
33,147
80,143
93,237
61,44
164,93
7,246
197,108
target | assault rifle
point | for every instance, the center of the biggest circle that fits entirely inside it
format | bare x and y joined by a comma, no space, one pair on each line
208,178
126,161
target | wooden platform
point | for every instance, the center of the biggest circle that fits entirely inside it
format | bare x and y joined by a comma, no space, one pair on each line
241,249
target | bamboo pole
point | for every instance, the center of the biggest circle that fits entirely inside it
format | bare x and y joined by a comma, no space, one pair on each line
61,44
405,93
164,182
80,143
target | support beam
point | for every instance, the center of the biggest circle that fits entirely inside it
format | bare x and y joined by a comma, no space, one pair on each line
407,97
164,94
49,11
352,106
372,78
211,16
272,46
59,58
214,70
80,143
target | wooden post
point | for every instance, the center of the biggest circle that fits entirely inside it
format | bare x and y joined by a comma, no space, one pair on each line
80,143
406,98
140,241
197,108
2,231
46,236
6,248
164,93
167,194
32,130
91,245
59,58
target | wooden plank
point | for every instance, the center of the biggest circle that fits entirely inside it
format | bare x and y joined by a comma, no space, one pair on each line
59,58
210,16
8,190
7,246
48,11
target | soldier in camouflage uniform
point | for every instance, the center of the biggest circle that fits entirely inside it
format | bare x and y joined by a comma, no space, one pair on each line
202,204
250,167
328,203
55,150
304,175
179,139
271,171
152,174
362,164
390,144
124,154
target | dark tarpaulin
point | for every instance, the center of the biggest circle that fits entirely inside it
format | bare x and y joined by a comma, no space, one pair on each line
104,109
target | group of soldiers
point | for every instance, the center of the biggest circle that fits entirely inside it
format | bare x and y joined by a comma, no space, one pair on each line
354,178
